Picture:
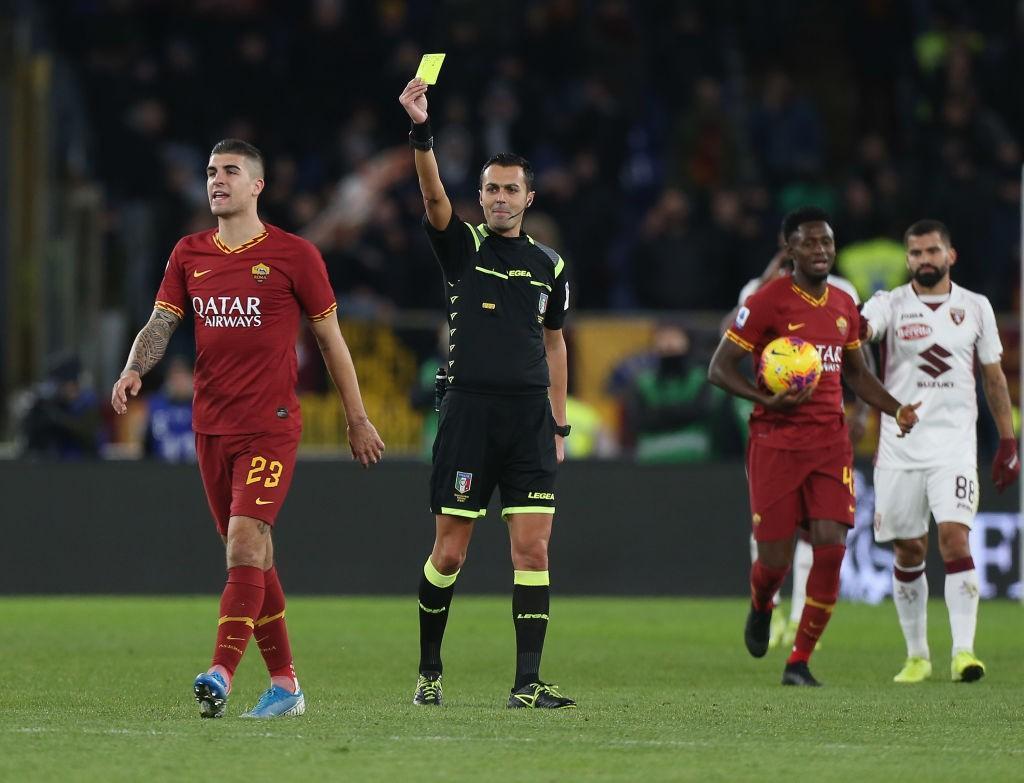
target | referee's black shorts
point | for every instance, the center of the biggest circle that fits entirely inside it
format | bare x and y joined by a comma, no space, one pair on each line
485,440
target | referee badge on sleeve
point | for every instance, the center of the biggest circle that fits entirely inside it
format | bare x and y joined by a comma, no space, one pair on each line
542,303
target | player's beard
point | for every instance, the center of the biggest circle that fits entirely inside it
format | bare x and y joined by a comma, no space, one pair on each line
929,277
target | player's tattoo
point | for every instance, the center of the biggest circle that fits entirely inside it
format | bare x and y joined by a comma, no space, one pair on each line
151,343
264,528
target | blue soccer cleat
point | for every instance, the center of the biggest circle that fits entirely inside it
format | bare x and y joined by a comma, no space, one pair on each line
212,694
276,702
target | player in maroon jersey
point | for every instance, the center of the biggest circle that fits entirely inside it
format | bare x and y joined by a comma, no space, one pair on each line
799,457
247,285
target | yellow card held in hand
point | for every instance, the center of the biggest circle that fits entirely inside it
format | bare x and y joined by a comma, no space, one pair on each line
430,67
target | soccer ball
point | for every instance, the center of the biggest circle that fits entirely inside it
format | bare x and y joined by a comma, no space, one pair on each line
789,362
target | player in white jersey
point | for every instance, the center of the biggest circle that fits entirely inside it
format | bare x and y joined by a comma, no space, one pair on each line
782,631
932,331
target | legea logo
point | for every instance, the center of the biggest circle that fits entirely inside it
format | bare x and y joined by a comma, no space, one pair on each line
228,311
914,331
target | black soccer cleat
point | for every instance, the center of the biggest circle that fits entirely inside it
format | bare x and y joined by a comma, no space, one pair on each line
798,674
539,696
428,690
757,631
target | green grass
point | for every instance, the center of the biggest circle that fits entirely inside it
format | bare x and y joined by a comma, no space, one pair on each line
100,689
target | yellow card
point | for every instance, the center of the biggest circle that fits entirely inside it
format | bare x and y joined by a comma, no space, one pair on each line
430,67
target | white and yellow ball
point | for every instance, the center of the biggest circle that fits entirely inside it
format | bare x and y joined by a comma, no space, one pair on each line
789,362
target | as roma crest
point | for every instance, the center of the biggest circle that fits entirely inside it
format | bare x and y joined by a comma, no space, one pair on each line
260,272
957,314
463,481
842,325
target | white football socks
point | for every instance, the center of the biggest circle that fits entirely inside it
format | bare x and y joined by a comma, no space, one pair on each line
962,601
911,599
803,559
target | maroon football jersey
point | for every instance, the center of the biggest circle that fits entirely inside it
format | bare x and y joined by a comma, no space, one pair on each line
831,324
247,302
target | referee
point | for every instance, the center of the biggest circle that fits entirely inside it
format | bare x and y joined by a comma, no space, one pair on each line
500,425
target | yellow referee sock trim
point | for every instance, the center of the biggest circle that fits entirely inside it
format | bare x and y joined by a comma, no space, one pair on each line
436,578
532,578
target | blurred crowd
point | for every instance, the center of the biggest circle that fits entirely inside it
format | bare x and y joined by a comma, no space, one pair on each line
668,137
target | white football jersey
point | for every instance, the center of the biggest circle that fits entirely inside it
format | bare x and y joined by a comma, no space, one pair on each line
928,357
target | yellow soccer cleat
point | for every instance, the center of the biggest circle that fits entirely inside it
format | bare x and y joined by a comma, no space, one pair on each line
965,667
778,629
789,633
914,670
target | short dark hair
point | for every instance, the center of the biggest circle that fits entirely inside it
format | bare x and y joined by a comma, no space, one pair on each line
792,222
511,160
928,226
239,147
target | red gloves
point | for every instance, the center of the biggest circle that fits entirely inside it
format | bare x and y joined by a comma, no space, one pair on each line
1006,465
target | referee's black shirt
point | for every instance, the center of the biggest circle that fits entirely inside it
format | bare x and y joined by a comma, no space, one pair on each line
501,293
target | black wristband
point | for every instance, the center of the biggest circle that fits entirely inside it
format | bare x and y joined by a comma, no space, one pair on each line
421,137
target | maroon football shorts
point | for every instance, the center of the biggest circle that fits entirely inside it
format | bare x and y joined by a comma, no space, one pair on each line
787,488
246,475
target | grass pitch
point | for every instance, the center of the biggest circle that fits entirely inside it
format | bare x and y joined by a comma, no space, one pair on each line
100,689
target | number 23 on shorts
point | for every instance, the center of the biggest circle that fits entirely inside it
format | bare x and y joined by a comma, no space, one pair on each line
260,468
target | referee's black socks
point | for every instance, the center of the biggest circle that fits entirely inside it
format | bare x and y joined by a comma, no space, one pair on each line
436,590
531,596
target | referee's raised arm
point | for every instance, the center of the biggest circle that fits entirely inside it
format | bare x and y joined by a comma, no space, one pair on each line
421,138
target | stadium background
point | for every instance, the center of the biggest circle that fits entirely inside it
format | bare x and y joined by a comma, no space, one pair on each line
669,138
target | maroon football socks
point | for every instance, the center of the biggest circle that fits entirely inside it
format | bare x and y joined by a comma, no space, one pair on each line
239,608
764,584
822,594
272,634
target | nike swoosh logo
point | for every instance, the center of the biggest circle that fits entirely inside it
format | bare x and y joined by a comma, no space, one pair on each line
197,273
853,510
262,502
794,327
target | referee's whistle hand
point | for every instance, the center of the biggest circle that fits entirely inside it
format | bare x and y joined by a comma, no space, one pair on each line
560,449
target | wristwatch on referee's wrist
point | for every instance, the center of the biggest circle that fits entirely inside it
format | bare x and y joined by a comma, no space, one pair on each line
563,430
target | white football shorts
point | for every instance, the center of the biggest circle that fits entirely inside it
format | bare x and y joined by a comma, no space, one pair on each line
905,498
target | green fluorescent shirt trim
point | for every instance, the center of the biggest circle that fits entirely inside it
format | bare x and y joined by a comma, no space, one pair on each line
491,272
542,285
476,237
559,266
